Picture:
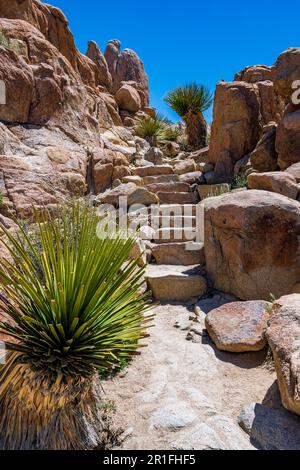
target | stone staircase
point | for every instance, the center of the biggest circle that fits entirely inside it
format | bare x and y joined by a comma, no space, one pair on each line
176,269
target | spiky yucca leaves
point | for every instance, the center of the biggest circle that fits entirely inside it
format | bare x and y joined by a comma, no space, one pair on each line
151,128
171,134
189,102
76,308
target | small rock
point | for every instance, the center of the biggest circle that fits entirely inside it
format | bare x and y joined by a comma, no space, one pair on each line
154,155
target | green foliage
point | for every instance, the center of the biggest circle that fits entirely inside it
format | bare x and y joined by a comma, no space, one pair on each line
189,98
74,298
217,192
7,42
171,134
239,181
108,406
149,127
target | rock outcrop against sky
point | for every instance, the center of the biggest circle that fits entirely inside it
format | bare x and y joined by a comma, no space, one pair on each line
59,101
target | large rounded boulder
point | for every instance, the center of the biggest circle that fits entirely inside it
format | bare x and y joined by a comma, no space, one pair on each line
252,243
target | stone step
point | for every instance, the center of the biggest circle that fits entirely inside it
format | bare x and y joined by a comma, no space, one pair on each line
160,179
175,283
169,234
154,170
177,209
178,197
180,221
168,187
185,254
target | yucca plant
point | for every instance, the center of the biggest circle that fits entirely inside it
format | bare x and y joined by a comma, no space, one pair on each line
189,102
170,134
151,128
74,308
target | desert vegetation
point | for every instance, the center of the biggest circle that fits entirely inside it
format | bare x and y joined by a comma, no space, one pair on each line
73,309
190,102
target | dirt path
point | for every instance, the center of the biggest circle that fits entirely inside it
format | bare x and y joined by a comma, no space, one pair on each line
184,394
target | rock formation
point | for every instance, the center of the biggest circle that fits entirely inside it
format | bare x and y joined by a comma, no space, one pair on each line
252,244
59,103
283,337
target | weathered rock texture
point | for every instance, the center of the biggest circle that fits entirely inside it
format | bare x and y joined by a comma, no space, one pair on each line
275,181
236,126
252,244
283,336
241,108
285,72
59,101
264,156
239,326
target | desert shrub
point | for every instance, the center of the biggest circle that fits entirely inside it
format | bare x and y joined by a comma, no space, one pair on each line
189,102
74,309
217,192
239,181
170,134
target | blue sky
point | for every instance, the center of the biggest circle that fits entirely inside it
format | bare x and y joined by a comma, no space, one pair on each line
187,40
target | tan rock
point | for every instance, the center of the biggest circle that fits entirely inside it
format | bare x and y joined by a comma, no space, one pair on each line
200,156
264,156
239,326
133,179
294,170
252,243
285,71
288,140
170,149
103,74
283,337
186,166
134,194
272,105
128,98
19,82
168,187
254,74
275,181
236,126
153,170
154,155
175,283
192,178
178,198
184,254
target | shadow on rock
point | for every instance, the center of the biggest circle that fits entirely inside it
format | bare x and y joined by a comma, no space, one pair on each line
269,425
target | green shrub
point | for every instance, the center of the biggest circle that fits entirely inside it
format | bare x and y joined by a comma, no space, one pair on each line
217,192
73,308
170,134
75,304
239,181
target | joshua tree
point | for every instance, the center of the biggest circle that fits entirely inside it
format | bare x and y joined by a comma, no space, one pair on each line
74,308
189,102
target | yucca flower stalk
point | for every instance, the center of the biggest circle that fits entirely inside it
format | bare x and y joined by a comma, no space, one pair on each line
190,102
75,308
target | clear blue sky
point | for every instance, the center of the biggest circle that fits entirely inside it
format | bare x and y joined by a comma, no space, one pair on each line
187,40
